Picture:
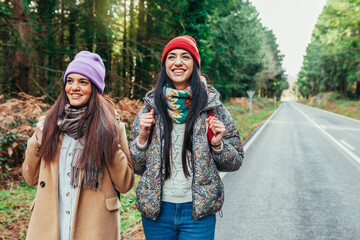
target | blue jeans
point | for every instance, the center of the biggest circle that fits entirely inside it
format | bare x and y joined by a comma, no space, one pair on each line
175,223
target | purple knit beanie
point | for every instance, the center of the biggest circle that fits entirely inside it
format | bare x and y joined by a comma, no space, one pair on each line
91,66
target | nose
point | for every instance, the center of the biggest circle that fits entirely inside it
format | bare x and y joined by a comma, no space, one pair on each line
178,60
75,85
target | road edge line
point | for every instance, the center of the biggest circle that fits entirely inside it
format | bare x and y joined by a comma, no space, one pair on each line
252,138
347,151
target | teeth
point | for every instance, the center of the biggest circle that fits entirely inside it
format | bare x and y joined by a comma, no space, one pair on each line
178,71
76,95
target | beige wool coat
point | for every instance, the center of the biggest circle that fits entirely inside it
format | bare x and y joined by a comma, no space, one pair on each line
96,213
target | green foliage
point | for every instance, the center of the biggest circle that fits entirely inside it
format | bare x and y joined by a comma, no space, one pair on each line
237,52
271,80
12,146
234,57
332,58
242,54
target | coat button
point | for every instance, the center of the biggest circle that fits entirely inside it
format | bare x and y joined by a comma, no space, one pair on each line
67,212
67,194
70,154
42,184
68,174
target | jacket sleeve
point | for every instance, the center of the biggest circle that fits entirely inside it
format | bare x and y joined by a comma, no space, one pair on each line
232,154
138,154
31,164
121,168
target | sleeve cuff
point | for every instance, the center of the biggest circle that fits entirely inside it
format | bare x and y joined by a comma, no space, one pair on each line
219,150
141,146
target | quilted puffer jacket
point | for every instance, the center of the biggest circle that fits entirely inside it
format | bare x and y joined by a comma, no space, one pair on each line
207,187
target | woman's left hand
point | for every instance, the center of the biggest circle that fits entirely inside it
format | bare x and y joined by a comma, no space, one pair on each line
217,128
39,131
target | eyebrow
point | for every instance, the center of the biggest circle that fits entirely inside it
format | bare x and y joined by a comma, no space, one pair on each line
183,53
68,77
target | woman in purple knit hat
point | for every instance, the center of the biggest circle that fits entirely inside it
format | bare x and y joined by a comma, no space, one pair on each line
79,158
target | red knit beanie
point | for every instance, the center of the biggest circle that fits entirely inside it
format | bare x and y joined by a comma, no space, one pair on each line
182,42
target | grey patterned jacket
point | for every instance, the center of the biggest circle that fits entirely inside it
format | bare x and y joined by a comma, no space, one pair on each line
207,187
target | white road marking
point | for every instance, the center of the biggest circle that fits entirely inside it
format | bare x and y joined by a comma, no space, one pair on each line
338,115
347,144
252,139
347,151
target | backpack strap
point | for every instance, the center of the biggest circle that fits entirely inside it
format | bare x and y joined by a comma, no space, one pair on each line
210,135
151,134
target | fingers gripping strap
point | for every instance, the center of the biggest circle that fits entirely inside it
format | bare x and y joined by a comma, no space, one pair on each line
209,132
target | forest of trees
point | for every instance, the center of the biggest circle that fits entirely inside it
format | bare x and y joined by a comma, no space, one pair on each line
40,37
332,61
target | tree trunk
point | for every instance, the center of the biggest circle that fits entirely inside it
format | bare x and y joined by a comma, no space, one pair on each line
5,74
148,71
357,91
140,41
103,35
73,18
46,44
89,25
125,88
60,57
20,59
131,47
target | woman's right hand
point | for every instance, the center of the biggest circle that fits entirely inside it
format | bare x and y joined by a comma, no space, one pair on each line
39,131
146,121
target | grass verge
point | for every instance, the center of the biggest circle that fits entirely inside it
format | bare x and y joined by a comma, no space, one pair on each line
247,124
334,102
15,210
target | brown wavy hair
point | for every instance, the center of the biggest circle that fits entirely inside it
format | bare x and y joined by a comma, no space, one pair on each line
102,133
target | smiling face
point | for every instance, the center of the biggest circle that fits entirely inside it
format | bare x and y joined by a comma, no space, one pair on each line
179,66
78,90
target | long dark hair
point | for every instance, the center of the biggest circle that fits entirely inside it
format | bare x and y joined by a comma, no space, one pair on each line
102,133
198,102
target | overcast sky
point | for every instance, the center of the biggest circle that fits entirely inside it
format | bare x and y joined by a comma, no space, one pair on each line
292,22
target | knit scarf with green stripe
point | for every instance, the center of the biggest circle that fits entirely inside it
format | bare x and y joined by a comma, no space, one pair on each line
178,102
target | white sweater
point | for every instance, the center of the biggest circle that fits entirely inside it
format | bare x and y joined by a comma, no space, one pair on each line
177,189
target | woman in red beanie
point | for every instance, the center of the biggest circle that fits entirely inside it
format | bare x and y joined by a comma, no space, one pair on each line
180,139
78,157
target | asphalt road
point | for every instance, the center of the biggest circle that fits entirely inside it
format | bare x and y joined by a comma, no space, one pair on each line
300,179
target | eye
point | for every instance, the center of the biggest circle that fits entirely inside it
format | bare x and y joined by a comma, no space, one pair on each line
187,56
84,82
69,80
171,57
